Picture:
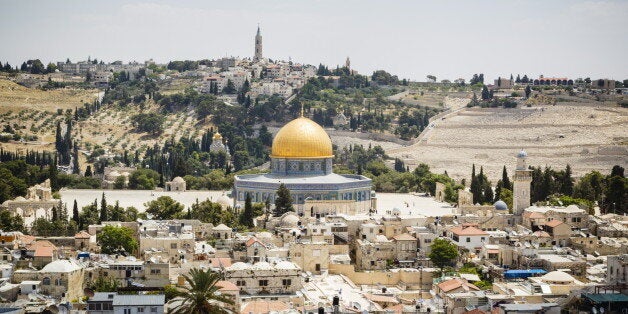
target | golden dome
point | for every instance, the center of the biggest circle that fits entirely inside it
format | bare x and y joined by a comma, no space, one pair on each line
217,136
302,138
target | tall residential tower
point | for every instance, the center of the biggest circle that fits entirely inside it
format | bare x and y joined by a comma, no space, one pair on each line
258,45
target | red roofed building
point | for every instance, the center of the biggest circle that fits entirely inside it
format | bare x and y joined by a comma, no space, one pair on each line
559,231
454,286
43,252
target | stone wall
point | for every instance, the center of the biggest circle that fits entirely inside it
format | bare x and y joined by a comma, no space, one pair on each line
410,278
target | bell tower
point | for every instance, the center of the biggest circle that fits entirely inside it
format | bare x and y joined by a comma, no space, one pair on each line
521,184
258,45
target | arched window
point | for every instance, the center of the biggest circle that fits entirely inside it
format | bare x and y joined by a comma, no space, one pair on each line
45,281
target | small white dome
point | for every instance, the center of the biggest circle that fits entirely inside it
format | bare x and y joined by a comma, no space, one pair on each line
286,265
263,266
558,276
60,266
239,266
224,201
573,208
290,220
522,154
178,180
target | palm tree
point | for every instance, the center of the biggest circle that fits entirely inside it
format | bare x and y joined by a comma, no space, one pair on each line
201,297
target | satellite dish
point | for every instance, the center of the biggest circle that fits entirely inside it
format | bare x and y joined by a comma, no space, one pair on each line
53,309
88,292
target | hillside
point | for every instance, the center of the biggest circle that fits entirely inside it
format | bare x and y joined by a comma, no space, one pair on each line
585,133
15,97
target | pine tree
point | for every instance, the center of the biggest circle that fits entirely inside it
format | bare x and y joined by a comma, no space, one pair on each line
103,208
246,218
283,202
485,93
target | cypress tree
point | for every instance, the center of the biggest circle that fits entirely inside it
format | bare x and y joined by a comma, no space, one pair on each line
567,183
283,202
55,215
103,208
76,169
488,193
506,180
476,189
246,218
75,213
88,171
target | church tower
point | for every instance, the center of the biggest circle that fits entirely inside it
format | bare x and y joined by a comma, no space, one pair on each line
258,45
521,184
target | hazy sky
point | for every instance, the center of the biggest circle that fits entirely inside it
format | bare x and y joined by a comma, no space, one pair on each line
448,39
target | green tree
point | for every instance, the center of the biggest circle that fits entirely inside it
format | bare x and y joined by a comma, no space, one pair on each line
283,202
10,222
229,88
506,184
208,212
528,91
51,68
617,194
37,67
103,208
240,160
75,214
104,284
152,123
88,171
444,253
246,218
112,239
566,184
164,207
10,185
143,179
486,95
506,196
116,213
200,295
120,182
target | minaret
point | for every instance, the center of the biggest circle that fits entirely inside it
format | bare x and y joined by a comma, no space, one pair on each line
348,64
521,184
258,45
